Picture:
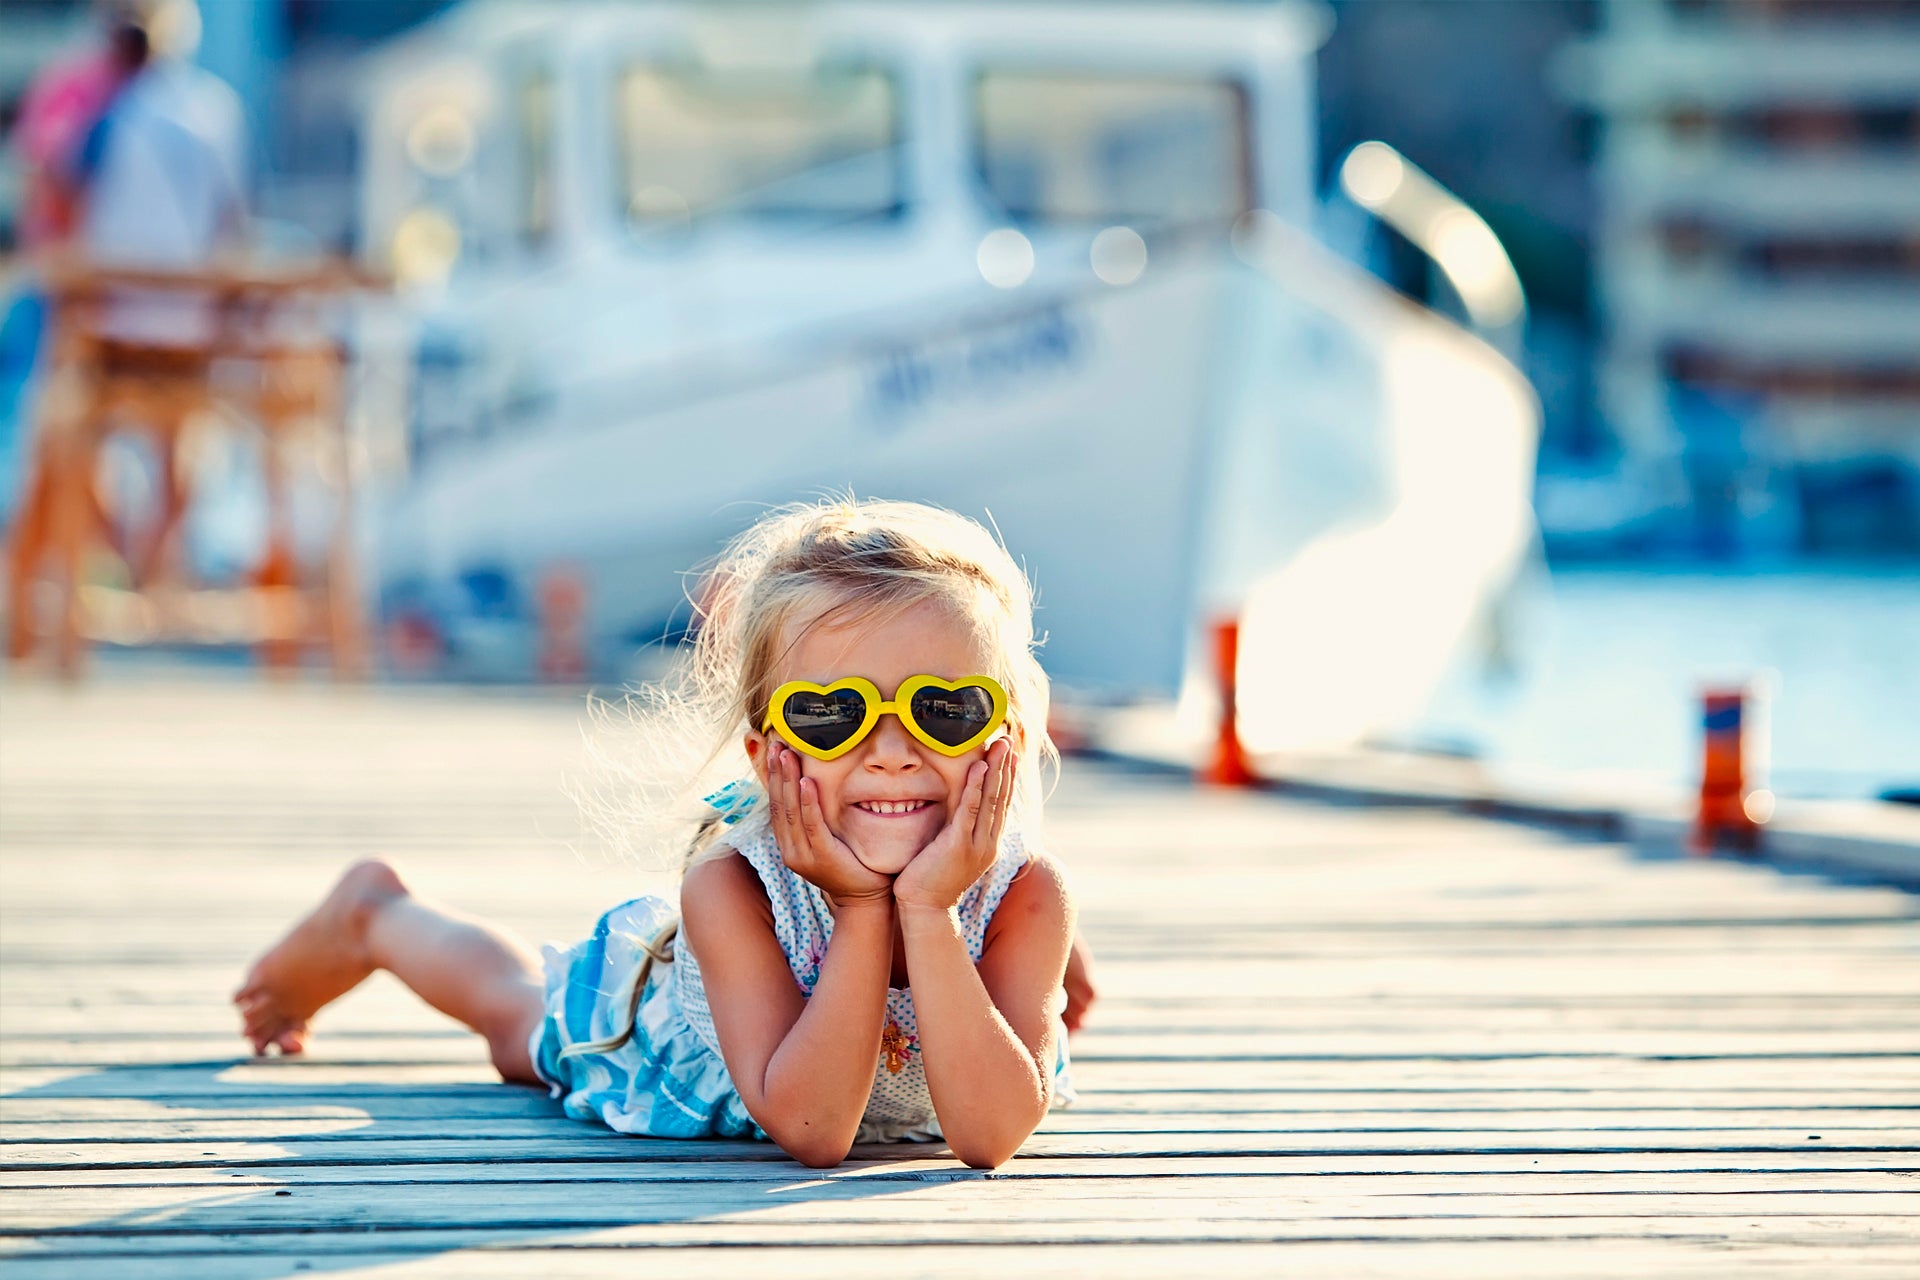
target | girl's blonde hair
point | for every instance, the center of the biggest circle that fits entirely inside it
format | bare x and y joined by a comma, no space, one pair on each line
840,563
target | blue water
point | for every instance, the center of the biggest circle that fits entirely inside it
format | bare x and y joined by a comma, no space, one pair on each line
1612,663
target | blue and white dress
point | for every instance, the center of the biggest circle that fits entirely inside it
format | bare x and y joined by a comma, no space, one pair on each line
668,1080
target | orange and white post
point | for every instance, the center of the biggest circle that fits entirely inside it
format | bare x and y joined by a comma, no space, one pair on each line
1227,765
563,625
1735,803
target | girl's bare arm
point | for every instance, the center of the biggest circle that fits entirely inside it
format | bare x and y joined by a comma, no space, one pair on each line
986,1033
804,1067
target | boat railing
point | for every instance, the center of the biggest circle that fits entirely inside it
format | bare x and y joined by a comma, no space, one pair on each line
1441,225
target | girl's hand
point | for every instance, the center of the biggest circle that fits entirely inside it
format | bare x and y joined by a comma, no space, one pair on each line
808,847
968,844
1078,982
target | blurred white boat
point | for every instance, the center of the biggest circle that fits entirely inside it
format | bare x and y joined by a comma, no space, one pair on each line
1043,263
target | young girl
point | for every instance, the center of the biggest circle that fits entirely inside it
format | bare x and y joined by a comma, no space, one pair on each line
866,948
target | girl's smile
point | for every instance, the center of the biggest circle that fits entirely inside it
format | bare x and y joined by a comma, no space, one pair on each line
889,796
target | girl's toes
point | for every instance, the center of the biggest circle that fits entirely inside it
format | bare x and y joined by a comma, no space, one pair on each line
290,1041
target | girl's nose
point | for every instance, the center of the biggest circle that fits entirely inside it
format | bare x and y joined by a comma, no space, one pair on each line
891,746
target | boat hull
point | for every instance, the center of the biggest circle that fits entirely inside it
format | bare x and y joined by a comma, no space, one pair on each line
1157,456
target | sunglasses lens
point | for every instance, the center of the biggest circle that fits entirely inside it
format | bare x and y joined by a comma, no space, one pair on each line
953,716
825,720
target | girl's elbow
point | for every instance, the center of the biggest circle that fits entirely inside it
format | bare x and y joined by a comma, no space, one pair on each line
978,1154
815,1150
818,1155
987,1151
981,1157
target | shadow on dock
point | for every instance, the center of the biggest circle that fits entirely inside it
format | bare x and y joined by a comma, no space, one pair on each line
427,1168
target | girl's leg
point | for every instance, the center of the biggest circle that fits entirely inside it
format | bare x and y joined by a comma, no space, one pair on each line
460,966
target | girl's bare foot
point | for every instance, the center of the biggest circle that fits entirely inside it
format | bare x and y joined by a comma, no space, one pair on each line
321,959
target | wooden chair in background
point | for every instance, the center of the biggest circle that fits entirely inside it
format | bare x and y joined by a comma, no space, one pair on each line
259,352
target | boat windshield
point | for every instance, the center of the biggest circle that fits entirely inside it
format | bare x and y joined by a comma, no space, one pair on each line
1106,149
700,144
533,137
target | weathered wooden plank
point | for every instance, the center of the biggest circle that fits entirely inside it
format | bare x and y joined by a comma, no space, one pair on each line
36,894
1072,1120
1256,1176
1704,977
1201,1227
593,1258
1170,1202
382,1006
1251,926
1126,1075
373,1150
455,1046
267,1080
452,1104
1111,1207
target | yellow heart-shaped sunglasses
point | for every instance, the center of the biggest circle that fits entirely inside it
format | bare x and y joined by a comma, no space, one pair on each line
827,721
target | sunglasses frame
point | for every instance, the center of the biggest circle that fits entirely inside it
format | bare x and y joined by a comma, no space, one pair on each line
901,706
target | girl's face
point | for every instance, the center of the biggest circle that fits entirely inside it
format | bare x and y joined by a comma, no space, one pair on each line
890,767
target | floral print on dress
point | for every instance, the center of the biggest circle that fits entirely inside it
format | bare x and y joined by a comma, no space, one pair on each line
810,963
896,1046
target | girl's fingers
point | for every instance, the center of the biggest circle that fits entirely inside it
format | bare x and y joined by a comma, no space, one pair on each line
1003,796
813,823
974,803
786,828
776,801
789,795
797,827
809,814
983,833
773,788
1003,799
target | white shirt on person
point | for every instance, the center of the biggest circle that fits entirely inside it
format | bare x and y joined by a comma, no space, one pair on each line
166,189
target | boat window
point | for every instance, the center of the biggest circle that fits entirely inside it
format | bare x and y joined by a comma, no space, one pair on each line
700,144
534,128
1144,151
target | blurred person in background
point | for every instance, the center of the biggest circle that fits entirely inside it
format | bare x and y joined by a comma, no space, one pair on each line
58,114
134,156
163,171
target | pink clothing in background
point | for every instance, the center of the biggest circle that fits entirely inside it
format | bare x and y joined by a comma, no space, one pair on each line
60,108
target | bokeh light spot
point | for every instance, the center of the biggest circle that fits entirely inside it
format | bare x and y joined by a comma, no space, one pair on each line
426,244
1005,258
440,142
1118,255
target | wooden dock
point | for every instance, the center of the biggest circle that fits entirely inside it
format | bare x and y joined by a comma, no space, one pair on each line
1336,1041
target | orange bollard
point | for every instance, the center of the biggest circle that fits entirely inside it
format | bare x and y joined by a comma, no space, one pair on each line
284,625
1732,809
563,613
1228,766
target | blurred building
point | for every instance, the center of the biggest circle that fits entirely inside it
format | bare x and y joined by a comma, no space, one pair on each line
1757,258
